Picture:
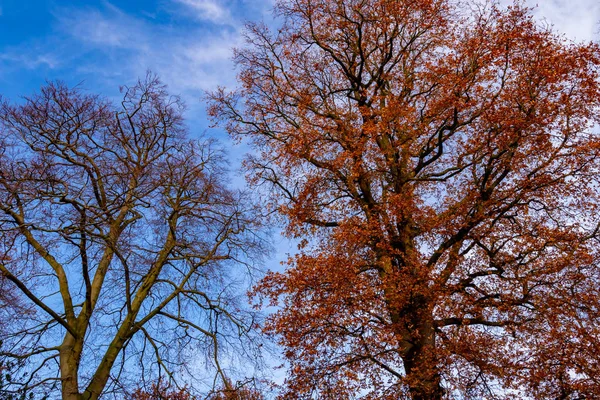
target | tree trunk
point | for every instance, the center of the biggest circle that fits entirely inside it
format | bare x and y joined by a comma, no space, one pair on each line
422,375
413,323
100,378
70,355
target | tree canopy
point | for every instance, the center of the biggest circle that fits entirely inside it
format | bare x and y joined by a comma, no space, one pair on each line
440,162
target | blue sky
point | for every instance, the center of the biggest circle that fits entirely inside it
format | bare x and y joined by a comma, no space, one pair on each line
106,44
103,45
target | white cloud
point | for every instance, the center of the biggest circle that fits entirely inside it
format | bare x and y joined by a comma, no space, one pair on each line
112,28
577,19
122,46
203,63
189,61
210,10
31,60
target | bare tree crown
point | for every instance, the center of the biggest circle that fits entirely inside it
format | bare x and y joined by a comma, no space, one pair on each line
123,235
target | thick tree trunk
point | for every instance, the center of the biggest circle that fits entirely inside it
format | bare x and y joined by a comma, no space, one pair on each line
70,355
411,315
102,374
416,334
422,375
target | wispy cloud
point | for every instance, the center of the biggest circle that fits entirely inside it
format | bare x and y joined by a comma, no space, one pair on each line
189,60
211,10
187,42
29,60
577,19
109,27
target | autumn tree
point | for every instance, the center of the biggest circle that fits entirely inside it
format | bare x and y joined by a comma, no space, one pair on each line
120,236
439,161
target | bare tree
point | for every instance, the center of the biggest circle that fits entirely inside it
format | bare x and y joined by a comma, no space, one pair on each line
122,234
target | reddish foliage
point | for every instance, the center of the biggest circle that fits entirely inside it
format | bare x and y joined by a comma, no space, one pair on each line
443,165
237,393
162,391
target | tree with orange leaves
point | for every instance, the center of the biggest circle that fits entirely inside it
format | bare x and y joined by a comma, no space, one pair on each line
441,163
